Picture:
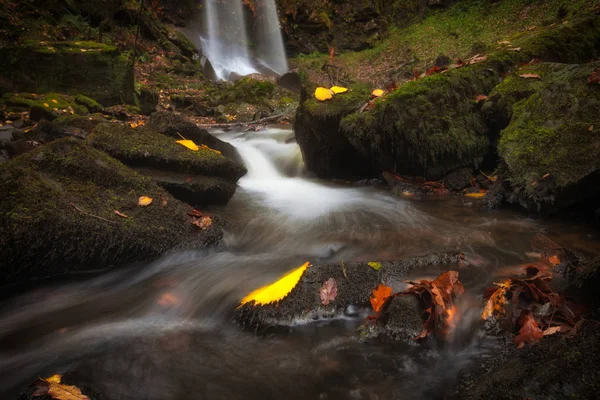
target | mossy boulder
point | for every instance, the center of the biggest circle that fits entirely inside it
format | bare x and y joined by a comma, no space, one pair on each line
325,149
92,69
197,177
551,145
57,214
86,123
48,105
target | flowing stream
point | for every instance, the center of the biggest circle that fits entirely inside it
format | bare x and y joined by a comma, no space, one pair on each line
164,330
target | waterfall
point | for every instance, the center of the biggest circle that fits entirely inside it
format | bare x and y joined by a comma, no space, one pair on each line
227,45
269,39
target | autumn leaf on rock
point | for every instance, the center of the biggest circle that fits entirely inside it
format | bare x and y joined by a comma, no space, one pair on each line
276,291
208,148
554,260
144,201
594,77
338,89
380,295
202,222
189,144
375,265
480,98
497,302
56,390
377,93
328,291
323,94
530,331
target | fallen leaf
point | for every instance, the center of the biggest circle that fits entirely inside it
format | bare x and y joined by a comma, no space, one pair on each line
144,201
594,77
375,265
554,260
276,291
504,42
46,105
54,379
377,93
202,223
328,291
591,128
475,195
323,94
481,97
530,331
380,295
83,50
208,148
546,176
433,70
195,213
58,391
120,214
530,76
497,302
338,89
189,144
55,102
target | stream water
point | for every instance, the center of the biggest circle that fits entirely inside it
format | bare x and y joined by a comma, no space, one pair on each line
163,329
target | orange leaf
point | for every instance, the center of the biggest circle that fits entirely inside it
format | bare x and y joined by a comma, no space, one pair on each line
497,302
144,201
202,223
480,98
380,295
530,331
554,260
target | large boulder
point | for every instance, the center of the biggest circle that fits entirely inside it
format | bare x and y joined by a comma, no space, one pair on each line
57,214
551,143
198,177
95,70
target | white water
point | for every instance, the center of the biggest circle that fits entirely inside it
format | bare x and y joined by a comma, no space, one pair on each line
227,45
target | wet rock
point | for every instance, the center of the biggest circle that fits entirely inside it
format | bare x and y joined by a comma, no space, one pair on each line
6,133
355,284
401,320
207,69
558,367
85,123
459,179
198,177
290,81
173,124
65,193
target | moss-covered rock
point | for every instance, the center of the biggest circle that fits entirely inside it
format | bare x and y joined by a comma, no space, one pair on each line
325,149
93,69
552,143
84,122
57,214
54,104
198,177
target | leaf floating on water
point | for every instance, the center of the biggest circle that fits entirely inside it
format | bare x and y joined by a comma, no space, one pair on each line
380,295
338,89
144,201
530,76
377,93
120,214
375,265
189,144
328,291
277,290
323,94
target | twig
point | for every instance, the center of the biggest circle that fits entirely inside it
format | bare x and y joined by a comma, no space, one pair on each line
235,124
91,215
344,271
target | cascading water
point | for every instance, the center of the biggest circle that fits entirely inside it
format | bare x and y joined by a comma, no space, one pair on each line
268,37
227,45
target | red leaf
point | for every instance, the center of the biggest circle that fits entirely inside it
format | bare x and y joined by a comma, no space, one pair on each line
530,331
594,77
328,291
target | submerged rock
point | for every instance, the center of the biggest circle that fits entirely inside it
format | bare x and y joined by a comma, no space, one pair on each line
57,214
198,177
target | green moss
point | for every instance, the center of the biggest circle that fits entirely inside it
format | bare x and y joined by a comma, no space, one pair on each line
50,101
144,147
341,104
87,122
549,132
92,105
44,198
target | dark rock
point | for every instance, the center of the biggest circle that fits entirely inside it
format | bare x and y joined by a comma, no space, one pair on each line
65,193
173,124
6,133
401,319
18,123
38,113
147,99
355,283
290,81
207,69
85,123
459,179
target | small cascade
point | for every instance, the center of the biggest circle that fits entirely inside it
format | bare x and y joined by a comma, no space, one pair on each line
269,41
227,44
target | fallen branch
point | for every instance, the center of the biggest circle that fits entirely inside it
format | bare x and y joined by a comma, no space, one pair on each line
79,210
238,124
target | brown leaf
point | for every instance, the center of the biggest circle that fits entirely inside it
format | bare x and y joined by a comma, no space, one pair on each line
530,331
497,302
530,76
594,77
202,223
328,291
120,214
480,98
195,213
380,295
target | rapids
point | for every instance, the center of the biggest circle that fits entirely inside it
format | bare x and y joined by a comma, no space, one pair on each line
163,329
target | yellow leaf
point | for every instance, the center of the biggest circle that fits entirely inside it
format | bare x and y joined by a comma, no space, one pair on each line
377,93
144,201
189,144
208,148
475,195
54,379
277,290
55,102
58,391
339,89
323,94
375,265
46,105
